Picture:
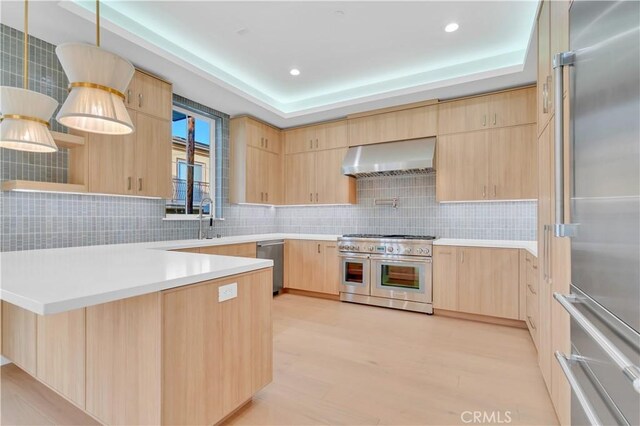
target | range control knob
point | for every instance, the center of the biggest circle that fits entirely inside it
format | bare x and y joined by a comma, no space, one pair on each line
420,251
351,248
408,251
371,248
390,249
357,248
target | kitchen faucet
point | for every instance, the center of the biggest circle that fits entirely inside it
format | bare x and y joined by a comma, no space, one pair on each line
202,202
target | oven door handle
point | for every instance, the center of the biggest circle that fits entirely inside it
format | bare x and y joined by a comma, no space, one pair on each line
353,256
401,259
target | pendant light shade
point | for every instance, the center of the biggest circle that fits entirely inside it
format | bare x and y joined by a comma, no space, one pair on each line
98,81
24,123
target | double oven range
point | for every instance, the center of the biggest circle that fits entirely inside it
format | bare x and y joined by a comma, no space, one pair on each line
393,271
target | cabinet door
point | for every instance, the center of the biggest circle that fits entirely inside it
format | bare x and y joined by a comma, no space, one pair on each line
273,191
304,264
373,129
300,178
153,96
272,139
330,278
19,336
417,122
111,162
462,165
544,67
488,282
257,175
153,156
61,353
513,108
302,139
445,278
239,250
513,163
332,135
253,132
464,115
332,186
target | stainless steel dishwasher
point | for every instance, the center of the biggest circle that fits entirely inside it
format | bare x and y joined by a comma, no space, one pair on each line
273,250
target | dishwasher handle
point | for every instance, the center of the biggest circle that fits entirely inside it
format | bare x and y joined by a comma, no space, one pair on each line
269,243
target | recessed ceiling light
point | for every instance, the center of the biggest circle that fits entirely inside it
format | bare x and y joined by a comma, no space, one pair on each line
339,13
294,71
451,27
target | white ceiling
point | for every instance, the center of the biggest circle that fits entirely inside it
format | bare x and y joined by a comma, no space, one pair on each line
353,56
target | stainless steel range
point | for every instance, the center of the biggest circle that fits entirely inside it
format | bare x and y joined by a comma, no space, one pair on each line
393,271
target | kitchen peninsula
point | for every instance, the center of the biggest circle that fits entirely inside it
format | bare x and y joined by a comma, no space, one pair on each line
138,334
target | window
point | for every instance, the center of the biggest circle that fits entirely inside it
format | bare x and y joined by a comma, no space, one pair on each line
194,167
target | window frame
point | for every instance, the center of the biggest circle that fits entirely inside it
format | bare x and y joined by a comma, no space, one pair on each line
214,124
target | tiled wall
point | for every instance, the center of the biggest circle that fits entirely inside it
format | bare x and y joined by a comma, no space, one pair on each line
35,220
417,213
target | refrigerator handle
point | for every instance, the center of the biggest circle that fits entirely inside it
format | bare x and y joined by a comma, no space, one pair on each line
560,60
629,369
584,402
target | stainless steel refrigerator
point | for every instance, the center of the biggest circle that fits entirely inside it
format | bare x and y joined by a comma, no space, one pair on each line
604,304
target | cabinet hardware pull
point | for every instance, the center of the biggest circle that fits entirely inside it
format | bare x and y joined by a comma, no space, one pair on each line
484,191
129,183
316,197
545,96
495,118
318,248
531,289
462,256
531,322
484,120
261,196
316,143
311,197
128,96
266,143
495,190
310,143
140,100
266,197
262,142
139,184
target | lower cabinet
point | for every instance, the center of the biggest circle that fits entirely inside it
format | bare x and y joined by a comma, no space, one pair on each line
483,281
312,266
176,357
532,300
239,250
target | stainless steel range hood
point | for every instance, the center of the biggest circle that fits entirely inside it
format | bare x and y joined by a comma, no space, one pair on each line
415,156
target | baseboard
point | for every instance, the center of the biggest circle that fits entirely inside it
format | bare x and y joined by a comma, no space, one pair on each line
480,318
311,294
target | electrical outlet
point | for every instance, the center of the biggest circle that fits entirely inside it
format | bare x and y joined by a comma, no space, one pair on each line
227,292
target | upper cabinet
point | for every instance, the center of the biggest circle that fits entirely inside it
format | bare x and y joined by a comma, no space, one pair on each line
315,138
496,164
150,95
255,162
391,126
509,108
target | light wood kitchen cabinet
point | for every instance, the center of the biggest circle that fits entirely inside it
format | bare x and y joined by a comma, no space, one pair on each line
445,278
134,164
255,163
61,353
239,250
411,123
532,301
509,108
496,164
544,67
316,178
317,137
513,163
475,280
19,337
462,161
224,348
311,266
150,95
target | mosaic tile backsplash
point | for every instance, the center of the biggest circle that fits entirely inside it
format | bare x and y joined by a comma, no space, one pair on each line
35,220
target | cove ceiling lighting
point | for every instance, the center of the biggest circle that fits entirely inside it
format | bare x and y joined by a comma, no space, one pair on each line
98,80
25,114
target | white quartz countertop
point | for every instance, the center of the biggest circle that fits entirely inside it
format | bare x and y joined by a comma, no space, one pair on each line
58,280
530,246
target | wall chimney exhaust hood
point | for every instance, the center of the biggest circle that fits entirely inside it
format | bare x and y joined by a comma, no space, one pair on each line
415,156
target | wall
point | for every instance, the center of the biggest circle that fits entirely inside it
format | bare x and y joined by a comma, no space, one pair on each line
36,220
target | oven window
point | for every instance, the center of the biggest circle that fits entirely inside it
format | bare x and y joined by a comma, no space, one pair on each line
353,272
400,276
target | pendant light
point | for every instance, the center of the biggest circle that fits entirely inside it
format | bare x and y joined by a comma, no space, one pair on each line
25,114
98,80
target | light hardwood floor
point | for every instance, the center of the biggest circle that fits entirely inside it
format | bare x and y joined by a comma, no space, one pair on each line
338,363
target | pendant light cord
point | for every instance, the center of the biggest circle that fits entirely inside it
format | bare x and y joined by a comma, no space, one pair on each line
98,23
25,54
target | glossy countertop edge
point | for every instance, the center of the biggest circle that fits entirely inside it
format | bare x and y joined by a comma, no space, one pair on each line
530,246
